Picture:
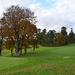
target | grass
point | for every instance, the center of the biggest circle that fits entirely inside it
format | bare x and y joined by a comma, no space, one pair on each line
45,61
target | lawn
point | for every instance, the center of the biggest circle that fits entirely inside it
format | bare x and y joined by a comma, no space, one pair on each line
45,61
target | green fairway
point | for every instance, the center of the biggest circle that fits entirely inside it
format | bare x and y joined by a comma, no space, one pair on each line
45,61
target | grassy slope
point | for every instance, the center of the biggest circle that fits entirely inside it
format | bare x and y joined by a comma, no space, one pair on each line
45,61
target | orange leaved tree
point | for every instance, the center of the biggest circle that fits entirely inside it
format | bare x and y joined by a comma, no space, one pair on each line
19,25
2,35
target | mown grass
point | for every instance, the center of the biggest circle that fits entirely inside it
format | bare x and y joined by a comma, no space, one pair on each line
45,61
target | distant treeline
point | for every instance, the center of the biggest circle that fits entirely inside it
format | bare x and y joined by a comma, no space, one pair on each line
52,38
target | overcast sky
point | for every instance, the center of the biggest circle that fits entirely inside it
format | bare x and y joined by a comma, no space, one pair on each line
51,14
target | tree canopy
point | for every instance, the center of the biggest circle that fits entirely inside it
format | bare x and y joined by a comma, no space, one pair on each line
19,25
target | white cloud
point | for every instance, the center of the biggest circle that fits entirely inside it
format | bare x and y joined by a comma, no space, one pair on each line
7,3
62,14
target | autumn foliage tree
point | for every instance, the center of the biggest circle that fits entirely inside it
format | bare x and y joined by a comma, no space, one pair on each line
2,35
19,26
10,45
59,40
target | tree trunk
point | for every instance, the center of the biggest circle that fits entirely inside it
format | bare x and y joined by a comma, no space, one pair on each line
25,50
0,52
17,49
21,52
11,52
17,52
33,49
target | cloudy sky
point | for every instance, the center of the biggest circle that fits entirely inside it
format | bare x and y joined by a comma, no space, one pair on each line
51,14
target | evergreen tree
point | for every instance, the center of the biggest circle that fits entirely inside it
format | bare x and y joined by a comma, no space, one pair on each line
51,37
71,36
64,32
43,37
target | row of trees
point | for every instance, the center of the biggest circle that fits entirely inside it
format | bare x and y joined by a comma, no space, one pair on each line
52,38
18,31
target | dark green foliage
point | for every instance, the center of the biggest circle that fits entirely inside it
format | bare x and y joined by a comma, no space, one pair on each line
59,39
71,36
50,37
43,33
64,32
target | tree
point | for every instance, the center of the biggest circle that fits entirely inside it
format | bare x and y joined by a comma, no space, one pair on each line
44,31
35,41
0,46
59,39
64,32
63,40
74,38
40,36
51,37
25,45
2,35
20,23
71,36
10,44
43,34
